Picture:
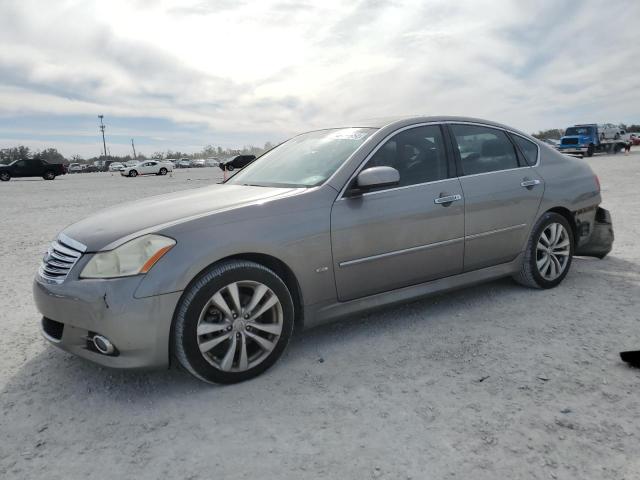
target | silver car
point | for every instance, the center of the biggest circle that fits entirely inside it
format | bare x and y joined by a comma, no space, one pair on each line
329,223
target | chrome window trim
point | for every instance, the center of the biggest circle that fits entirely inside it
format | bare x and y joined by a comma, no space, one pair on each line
358,261
375,150
507,130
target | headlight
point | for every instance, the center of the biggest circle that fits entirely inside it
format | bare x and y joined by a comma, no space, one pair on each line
134,257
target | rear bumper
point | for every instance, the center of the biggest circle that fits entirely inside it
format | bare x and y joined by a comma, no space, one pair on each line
138,327
600,242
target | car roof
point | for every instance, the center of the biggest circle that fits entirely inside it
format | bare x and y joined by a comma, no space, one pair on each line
405,120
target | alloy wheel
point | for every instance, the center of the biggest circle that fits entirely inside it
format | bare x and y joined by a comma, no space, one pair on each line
552,251
240,326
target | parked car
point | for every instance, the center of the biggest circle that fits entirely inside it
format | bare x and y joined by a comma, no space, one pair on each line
184,163
329,223
31,168
116,167
198,163
131,163
211,162
237,162
635,138
148,167
75,168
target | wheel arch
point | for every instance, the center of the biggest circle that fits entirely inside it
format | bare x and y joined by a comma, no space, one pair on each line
570,217
279,267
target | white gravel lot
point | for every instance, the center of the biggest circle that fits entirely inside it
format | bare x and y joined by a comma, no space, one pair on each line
394,394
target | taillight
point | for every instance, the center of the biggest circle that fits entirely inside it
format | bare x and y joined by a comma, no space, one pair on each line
597,182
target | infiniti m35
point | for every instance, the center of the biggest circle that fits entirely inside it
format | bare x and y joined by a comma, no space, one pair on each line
327,224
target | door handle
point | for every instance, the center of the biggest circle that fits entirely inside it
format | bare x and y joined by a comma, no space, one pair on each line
448,199
529,183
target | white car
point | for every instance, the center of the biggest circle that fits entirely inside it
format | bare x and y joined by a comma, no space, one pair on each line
149,167
115,167
75,168
609,131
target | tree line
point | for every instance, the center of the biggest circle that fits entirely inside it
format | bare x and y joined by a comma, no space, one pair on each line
51,155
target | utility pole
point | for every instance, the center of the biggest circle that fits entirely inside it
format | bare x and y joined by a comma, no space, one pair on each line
134,149
104,143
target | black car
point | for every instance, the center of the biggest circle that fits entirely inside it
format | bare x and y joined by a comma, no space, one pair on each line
31,168
237,162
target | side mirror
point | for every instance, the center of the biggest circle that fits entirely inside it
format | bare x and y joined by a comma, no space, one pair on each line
375,177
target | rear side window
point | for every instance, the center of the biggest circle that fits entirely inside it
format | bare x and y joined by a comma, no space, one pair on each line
418,154
484,149
528,148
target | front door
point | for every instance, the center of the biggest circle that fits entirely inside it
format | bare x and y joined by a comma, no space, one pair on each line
502,195
405,234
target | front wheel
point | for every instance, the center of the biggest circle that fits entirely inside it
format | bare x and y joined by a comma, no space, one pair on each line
5,176
590,151
233,323
548,254
230,168
133,173
49,176
163,171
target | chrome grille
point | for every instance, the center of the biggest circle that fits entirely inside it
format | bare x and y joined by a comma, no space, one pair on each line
60,258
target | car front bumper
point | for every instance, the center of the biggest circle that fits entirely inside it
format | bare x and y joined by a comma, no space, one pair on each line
139,328
574,149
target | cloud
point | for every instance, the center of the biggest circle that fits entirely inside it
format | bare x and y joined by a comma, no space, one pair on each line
251,72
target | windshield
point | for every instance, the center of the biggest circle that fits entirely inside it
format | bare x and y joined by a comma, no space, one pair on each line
578,131
303,161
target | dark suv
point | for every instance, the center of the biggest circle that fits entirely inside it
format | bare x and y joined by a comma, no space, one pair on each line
238,162
31,168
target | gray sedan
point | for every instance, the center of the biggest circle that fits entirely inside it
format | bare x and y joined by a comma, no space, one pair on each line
329,223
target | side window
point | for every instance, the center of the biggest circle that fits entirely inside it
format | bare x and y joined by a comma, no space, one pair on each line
528,148
484,149
21,163
418,154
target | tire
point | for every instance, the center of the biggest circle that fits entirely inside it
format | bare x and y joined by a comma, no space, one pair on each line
163,171
531,274
133,173
590,151
616,136
232,336
49,175
5,176
229,168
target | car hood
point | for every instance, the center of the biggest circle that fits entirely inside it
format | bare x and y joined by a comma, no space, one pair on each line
106,228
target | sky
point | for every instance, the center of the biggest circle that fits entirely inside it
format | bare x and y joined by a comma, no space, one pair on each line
180,75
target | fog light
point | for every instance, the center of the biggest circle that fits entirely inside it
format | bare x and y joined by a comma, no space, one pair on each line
103,345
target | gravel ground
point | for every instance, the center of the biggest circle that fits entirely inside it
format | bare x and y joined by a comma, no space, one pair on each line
492,382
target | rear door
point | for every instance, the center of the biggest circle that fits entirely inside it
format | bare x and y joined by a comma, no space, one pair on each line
502,194
405,234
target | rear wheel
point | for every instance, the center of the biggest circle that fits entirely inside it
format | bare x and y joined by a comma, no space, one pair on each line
133,173
548,254
163,171
5,176
233,323
49,175
230,168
